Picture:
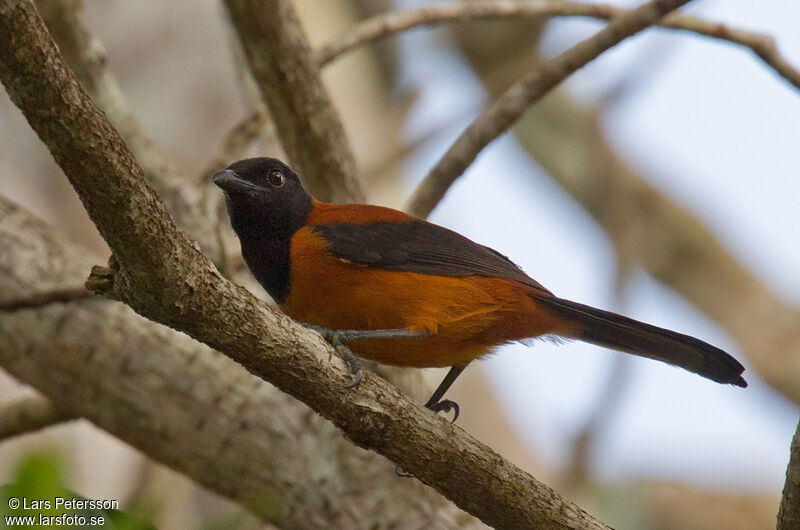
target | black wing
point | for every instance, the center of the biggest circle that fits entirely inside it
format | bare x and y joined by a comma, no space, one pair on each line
418,246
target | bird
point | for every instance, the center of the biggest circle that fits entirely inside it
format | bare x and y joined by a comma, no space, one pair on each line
383,285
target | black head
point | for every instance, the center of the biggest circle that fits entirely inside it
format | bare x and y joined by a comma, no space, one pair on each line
265,198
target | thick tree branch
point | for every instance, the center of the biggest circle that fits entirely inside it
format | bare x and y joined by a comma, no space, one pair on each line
387,24
226,428
288,77
194,410
508,108
29,414
160,273
789,512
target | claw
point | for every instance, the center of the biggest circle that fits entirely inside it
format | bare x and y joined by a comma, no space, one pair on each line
400,473
339,341
353,364
446,405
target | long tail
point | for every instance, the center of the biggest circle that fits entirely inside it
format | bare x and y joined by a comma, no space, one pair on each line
631,336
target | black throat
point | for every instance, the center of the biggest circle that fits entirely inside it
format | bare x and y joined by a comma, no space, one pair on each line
269,259
266,238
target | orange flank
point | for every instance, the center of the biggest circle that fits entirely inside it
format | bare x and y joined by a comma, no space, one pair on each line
465,316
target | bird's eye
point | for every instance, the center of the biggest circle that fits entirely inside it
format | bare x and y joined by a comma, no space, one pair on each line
276,178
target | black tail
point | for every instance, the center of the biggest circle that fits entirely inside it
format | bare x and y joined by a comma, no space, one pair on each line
631,336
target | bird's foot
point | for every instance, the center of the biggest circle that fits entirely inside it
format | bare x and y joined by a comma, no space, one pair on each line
339,339
445,405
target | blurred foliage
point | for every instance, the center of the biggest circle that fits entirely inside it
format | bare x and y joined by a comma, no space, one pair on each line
38,482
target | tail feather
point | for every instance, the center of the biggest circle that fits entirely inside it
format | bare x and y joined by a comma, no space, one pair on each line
631,336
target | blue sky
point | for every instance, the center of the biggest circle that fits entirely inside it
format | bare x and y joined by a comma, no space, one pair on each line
713,128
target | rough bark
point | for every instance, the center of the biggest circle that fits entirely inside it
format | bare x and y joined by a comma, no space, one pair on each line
789,512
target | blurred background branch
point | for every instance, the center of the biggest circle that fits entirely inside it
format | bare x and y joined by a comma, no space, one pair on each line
387,24
189,203
28,415
509,106
636,216
309,127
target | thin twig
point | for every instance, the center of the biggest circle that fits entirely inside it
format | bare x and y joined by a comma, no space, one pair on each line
28,415
385,25
63,295
388,24
508,108
789,511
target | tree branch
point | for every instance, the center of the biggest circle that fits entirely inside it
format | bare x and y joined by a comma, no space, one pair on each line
28,415
198,209
186,406
507,109
288,77
186,201
160,273
38,299
394,22
789,511
387,24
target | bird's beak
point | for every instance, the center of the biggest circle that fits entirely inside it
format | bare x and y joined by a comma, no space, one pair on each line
229,181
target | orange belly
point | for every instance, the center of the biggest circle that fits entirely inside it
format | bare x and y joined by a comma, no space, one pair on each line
465,316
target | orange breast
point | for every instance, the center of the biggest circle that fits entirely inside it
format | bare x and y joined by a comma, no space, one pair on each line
465,316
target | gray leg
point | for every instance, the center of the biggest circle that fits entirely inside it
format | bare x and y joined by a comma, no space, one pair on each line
339,338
